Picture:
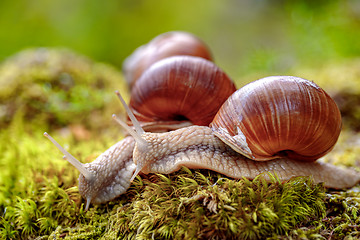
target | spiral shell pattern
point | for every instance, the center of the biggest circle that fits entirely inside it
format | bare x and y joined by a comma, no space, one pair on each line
279,116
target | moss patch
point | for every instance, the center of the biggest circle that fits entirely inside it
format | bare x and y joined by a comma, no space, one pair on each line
57,87
189,205
38,190
193,205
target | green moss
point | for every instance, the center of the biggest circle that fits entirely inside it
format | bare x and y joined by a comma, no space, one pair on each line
193,205
38,188
39,197
57,87
335,76
190,205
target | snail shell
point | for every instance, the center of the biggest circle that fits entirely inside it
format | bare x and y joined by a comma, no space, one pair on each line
279,116
178,89
163,46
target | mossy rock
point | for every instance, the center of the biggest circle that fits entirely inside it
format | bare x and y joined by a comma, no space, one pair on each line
39,198
191,205
58,87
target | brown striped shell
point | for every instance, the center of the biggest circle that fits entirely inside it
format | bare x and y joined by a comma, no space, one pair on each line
180,88
163,46
279,116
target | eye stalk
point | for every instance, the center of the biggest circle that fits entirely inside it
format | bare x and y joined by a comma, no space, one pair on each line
137,134
134,121
71,159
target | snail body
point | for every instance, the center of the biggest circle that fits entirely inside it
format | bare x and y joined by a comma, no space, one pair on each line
108,176
197,147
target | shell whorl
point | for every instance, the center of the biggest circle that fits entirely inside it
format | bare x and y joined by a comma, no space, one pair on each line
180,88
279,116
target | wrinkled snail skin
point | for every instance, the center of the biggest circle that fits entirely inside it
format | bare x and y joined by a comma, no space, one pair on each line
112,172
197,147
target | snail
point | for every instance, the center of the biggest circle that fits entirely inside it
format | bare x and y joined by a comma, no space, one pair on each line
106,178
272,105
163,46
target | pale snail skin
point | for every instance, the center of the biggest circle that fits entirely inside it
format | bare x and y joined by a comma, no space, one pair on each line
197,147
193,147
108,176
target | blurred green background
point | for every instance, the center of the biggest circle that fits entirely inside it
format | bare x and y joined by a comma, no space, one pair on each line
245,36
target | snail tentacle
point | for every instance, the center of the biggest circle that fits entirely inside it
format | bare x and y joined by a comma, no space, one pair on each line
141,143
134,121
71,159
133,133
138,134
